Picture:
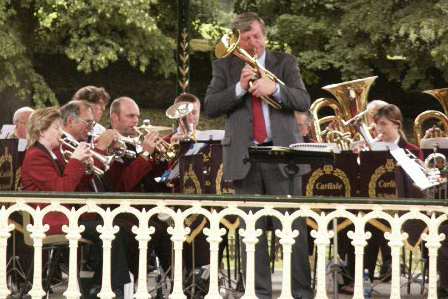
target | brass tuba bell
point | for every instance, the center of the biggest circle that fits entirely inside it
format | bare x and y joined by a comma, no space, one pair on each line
442,96
350,104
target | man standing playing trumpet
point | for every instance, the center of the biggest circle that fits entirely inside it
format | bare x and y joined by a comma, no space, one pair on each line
235,91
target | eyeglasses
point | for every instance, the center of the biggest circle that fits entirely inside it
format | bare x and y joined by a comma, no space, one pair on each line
90,123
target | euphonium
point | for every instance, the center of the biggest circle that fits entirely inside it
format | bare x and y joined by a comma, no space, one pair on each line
320,122
349,108
442,96
72,144
351,96
230,44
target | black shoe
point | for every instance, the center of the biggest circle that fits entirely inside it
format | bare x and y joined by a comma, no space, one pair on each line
119,293
93,292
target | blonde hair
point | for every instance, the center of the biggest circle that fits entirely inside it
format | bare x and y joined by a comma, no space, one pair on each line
40,120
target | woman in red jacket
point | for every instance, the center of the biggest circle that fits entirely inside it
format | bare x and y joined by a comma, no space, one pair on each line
44,169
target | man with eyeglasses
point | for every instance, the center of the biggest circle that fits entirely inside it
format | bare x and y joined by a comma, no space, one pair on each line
78,121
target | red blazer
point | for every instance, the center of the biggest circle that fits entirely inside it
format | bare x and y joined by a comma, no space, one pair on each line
126,176
41,173
412,148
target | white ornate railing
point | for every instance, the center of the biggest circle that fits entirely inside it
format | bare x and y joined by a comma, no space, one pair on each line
321,210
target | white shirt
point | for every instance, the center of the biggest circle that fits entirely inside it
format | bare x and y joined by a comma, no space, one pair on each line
98,129
241,92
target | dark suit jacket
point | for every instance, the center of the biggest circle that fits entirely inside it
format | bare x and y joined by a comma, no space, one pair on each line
221,99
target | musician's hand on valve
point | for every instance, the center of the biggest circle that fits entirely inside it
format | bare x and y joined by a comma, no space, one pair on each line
177,137
150,142
247,74
82,152
106,139
263,87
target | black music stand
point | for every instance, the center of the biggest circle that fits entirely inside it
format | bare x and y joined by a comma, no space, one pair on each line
290,157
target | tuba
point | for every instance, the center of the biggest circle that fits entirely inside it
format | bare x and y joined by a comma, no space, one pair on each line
442,96
230,44
322,122
349,105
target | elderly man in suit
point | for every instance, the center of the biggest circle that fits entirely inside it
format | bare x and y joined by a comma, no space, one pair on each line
250,121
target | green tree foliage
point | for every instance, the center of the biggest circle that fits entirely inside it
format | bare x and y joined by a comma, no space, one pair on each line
92,33
404,40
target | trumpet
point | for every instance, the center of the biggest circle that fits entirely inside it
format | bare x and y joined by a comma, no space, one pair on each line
164,151
73,144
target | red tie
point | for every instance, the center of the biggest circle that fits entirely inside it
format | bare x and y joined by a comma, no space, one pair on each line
259,126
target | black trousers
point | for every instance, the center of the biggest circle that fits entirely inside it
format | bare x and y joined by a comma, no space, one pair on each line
119,261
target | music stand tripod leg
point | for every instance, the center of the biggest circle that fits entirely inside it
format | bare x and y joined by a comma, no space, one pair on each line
291,170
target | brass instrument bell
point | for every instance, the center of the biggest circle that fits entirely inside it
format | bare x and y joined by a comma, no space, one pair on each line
229,44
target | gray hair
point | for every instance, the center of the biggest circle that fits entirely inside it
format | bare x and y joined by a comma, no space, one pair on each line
73,109
243,22
19,111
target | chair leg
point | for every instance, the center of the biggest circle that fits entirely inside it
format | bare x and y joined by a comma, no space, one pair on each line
409,273
424,273
48,271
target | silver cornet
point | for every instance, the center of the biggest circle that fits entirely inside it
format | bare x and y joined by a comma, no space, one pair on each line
73,144
180,111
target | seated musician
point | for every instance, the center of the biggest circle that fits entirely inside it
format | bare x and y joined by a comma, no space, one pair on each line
388,121
44,169
20,121
127,175
130,174
99,98
304,121
78,122
389,127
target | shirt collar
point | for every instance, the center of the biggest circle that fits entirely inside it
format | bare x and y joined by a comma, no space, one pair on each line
262,59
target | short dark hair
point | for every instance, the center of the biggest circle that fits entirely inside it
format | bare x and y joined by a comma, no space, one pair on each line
186,97
243,22
92,94
73,108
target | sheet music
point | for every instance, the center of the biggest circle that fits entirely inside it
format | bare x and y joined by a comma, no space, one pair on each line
411,167
6,131
316,147
210,135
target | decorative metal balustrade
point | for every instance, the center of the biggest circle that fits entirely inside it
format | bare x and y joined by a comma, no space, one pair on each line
143,206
